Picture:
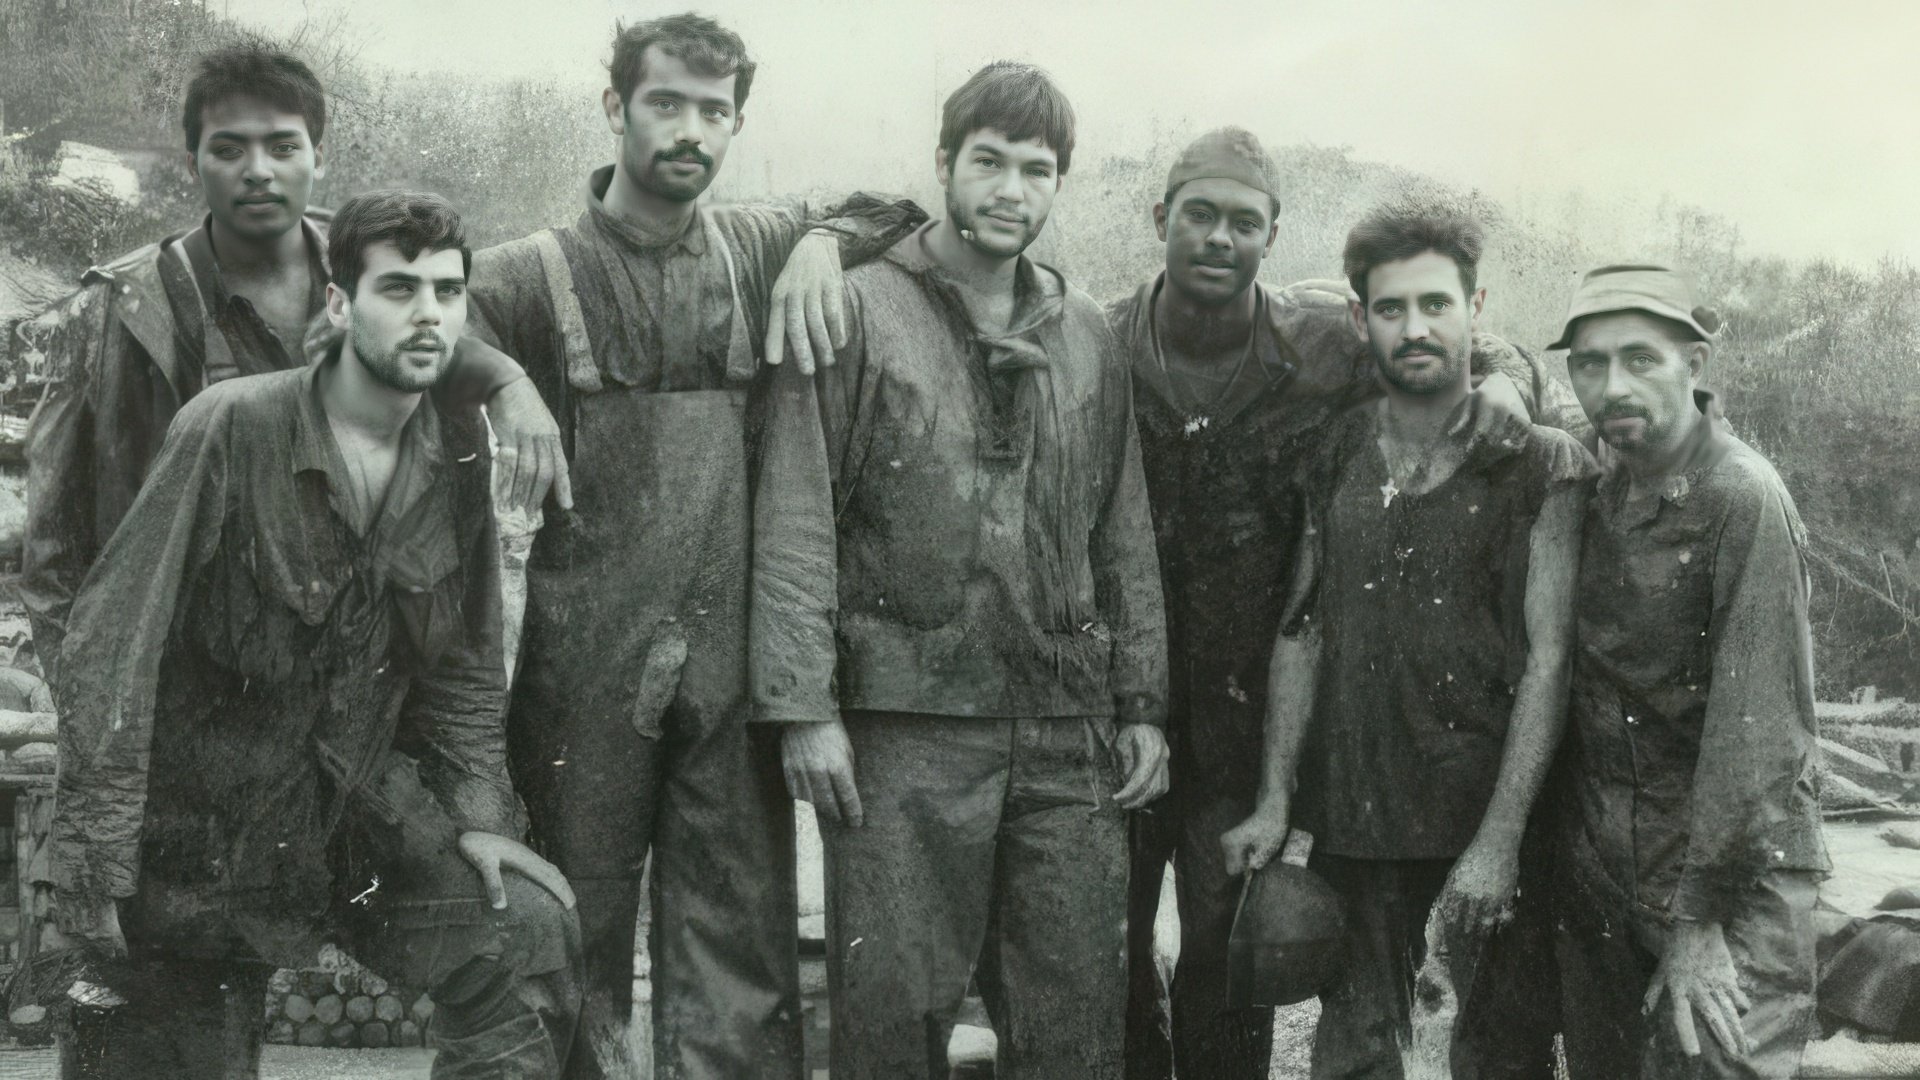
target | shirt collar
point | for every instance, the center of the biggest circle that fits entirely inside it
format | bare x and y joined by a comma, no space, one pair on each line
692,239
198,245
314,448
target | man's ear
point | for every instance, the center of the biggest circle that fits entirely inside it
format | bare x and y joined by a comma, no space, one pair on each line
942,168
319,162
193,165
616,110
739,121
339,306
1357,314
1160,220
1479,302
1697,355
1273,233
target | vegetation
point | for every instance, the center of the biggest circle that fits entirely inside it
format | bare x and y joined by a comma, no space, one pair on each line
1819,365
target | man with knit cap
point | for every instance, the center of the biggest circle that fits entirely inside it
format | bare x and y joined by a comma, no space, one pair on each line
1234,382
1691,850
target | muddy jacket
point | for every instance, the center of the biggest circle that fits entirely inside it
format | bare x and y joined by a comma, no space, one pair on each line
141,336
953,521
1225,516
1691,731
241,665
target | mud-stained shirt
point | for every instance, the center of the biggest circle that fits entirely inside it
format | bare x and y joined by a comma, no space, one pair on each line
1420,599
953,521
240,662
1691,735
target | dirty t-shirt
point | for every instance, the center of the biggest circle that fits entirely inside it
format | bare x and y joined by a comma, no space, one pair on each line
1691,728
1421,604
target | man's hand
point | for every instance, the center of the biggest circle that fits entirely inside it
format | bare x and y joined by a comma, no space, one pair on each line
1143,754
1495,412
88,922
530,456
1253,843
490,853
818,761
1478,895
1696,974
808,308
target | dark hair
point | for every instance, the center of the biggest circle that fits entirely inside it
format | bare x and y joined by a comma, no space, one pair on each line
413,221
1018,100
1402,230
704,45
255,70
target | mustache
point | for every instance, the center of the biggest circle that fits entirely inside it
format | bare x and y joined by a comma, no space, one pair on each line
424,340
1418,348
1002,212
684,153
1622,411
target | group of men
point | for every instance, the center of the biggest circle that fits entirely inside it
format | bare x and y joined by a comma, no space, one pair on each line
1027,597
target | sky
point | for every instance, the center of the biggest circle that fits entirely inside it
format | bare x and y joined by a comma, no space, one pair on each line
1798,121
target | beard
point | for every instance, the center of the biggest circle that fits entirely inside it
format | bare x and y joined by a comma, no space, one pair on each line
1431,380
395,368
990,242
658,180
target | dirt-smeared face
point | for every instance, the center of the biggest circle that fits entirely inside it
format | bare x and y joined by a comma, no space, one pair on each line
256,166
674,127
1635,377
1217,231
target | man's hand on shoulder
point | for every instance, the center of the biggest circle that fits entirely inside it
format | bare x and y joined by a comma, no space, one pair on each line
490,853
1697,976
530,459
1143,754
1495,412
807,312
818,761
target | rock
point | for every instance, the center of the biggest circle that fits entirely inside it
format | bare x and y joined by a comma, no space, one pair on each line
280,1032
312,1033
329,1009
282,982
372,985
375,1035
343,1034
406,1033
360,1008
315,984
27,1014
423,1010
298,1008
388,1008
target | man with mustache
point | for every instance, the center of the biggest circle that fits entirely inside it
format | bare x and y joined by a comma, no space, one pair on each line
1691,851
1418,683
1235,382
233,296
639,324
283,705
957,621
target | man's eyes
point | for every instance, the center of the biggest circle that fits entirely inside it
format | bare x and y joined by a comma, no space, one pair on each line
452,290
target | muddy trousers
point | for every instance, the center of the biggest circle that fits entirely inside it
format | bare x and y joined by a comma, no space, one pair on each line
984,838
1606,966
1186,1025
710,809
504,984
1508,1017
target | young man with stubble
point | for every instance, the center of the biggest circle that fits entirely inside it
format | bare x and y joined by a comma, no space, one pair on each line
1418,684
283,704
642,326
957,621
237,294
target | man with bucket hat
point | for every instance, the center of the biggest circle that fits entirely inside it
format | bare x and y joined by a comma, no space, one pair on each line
1691,851
1234,382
